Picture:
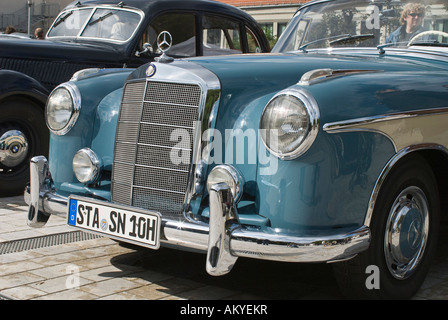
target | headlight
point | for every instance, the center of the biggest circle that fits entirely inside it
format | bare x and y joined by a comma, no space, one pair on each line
87,166
228,175
289,123
62,108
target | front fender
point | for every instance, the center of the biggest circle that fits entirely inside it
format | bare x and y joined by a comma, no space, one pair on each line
332,183
95,127
13,83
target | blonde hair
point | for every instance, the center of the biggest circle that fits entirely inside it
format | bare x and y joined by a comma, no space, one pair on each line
411,8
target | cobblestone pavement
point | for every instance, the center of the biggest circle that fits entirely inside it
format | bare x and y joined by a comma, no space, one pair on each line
34,268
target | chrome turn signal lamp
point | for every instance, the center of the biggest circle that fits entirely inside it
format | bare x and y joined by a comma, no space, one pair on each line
87,166
230,176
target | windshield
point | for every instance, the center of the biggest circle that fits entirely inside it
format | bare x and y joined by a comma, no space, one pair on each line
362,23
96,23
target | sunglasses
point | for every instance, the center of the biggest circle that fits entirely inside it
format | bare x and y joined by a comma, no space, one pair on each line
416,15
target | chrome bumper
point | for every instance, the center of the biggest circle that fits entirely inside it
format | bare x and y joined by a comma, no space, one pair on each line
223,239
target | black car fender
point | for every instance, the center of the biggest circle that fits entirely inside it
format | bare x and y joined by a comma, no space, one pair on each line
14,84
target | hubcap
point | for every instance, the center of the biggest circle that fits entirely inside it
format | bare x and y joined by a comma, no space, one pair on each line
406,232
13,148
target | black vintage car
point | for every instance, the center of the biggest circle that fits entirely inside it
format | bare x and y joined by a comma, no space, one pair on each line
102,34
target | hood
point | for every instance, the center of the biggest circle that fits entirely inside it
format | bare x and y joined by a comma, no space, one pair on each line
381,84
246,78
279,69
58,51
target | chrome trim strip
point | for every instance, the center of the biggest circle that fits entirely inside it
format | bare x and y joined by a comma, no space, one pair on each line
414,51
340,126
388,167
393,127
238,241
319,75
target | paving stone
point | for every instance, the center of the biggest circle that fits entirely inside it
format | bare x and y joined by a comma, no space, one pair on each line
12,280
23,293
59,284
102,269
109,287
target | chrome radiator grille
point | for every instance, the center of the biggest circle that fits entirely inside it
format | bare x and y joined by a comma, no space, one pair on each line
144,174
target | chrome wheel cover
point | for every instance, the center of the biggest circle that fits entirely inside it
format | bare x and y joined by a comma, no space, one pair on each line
406,233
13,148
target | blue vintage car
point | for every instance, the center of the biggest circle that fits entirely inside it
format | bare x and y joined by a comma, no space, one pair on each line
333,148
101,34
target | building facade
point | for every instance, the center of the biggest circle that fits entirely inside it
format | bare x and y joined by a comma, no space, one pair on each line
273,15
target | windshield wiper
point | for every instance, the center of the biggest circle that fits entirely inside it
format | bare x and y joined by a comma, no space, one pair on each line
101,18
342,38
62,19
350,38
303,47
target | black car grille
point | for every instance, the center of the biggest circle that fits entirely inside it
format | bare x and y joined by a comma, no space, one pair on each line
151,117
48,73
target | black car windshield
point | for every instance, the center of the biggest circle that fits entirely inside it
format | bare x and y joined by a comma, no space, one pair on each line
109,23
364,23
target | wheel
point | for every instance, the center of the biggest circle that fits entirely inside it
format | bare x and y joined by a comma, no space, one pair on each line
404,230
23,134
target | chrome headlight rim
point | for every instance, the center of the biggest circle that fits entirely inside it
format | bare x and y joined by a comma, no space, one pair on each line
96,166
234,174
313,113
76,108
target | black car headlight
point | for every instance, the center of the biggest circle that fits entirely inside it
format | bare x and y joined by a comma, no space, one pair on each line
62,109
289,123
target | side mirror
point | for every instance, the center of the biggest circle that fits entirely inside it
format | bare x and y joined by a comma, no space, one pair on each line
147,48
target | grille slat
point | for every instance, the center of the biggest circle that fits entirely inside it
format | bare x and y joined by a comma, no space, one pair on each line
154,145
181,115
165,136
161,201
151,177
156,156
125,152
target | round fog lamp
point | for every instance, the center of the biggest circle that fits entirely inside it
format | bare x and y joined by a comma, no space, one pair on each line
228,175
87,166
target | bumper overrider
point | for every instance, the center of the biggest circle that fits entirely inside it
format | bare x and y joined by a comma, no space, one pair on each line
224,239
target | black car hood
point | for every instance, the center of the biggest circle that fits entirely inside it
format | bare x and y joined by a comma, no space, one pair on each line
60,51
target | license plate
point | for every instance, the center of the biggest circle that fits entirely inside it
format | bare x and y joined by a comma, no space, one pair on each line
119,222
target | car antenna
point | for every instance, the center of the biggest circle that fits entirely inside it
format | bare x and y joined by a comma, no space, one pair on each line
121,4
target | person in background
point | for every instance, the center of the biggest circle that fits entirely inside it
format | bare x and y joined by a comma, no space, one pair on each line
39,34
411,24
10,29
